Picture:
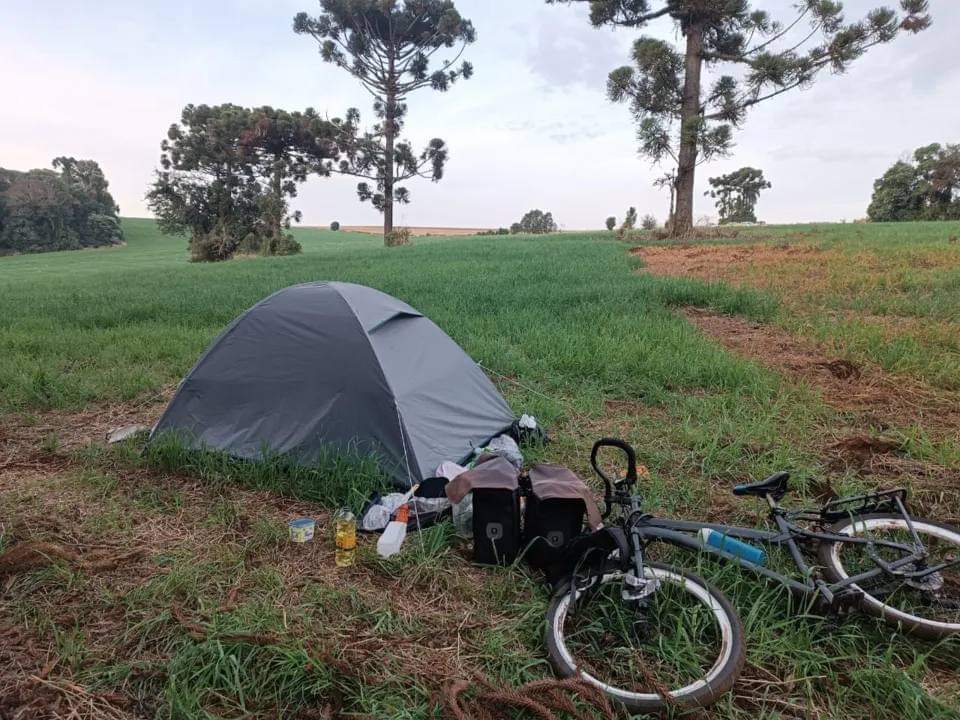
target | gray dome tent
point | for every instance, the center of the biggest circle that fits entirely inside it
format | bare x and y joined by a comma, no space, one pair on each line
335,364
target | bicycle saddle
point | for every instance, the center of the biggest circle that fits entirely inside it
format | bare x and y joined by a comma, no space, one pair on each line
776,486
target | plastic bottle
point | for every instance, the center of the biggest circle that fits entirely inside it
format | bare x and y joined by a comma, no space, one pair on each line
748,552
393,535
345,536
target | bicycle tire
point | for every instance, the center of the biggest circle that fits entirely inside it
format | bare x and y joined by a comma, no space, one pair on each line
702,693
829,555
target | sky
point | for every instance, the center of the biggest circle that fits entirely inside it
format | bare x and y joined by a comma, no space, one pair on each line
532,129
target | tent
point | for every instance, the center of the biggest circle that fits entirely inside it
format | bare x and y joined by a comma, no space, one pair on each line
335,365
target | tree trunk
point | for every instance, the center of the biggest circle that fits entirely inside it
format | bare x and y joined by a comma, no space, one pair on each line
689,121
388,135
278,205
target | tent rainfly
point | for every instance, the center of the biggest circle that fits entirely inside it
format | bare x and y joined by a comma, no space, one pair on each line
337,365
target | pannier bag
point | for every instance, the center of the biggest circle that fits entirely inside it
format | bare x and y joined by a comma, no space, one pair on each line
496,509
557,501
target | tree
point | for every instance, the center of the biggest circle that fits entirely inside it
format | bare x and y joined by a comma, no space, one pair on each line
736,194
938,168
207,184
649,222
629,222
611,222
227,171
535,222
335,225
388,46
896,196
43,210
285,147
926,189
680,121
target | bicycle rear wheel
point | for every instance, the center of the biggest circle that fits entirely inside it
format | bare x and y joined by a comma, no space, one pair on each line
685,649
927,607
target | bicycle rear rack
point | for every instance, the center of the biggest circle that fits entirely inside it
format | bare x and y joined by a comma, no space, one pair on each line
886,501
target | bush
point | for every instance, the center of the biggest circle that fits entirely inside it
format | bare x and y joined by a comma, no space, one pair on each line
397,237
335,226
282,245
649,222
498,231
611,222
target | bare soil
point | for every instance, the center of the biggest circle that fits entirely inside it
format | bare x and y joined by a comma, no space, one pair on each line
721,262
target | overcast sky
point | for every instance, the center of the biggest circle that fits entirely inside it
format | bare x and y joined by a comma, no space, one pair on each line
104,80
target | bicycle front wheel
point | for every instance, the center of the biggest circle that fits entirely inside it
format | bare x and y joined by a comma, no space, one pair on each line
683,648
926,605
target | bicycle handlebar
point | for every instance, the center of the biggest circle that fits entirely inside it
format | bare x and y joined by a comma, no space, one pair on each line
631,477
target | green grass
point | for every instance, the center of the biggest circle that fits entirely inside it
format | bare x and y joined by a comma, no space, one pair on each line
597,349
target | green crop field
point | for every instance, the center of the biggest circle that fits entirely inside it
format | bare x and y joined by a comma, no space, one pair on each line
180,597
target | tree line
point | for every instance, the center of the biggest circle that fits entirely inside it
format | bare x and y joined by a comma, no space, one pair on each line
927,187
227,173
66,208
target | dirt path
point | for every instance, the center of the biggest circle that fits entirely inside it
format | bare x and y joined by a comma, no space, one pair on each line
869,397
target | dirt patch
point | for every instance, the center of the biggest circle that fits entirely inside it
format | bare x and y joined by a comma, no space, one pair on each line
720,262
871,402
875,398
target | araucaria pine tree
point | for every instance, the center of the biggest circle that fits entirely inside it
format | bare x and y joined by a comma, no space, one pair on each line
752,58
737,193
389,45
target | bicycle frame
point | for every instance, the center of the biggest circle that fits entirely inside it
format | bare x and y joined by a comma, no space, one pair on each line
683,533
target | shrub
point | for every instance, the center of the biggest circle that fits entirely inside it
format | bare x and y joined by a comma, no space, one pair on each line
217,245
649,222
335,226
397,237
498,231
282,245
611,222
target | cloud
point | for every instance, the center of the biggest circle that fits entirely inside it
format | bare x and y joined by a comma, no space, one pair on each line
566,50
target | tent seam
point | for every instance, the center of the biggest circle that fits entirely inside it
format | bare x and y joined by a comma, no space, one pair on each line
404,433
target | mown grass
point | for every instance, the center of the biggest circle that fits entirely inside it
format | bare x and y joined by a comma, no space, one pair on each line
597,349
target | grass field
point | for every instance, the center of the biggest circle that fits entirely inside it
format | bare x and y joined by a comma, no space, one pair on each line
178,597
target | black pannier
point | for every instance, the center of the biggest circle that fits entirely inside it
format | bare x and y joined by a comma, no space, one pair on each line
557,501
496,509
496,525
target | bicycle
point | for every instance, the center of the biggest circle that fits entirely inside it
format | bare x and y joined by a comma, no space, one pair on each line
684,639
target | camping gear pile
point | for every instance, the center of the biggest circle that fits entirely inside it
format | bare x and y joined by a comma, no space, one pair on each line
508,511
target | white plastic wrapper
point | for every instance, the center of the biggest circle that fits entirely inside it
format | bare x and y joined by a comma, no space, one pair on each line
504,446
